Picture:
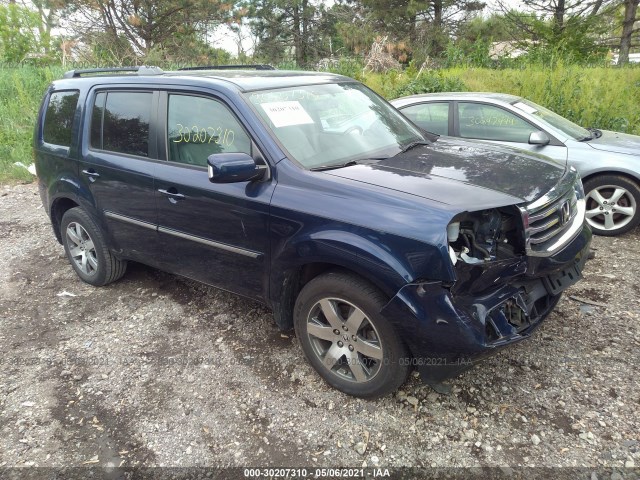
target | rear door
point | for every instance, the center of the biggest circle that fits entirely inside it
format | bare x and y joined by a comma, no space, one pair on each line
214,233
117,165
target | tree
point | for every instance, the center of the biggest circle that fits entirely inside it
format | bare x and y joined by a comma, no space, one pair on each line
17,37
288,27
149,24
567,27
425,25
630,10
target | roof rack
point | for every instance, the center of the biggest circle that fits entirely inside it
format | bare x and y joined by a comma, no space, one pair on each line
142,70
257,66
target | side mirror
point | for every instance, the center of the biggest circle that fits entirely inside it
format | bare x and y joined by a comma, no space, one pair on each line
233,167
539,138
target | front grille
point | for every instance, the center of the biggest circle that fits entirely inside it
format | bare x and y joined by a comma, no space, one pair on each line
551,220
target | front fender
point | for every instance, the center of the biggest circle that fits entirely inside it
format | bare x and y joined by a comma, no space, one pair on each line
388,261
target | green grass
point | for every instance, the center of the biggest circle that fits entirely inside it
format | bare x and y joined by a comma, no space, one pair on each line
21,91
602,97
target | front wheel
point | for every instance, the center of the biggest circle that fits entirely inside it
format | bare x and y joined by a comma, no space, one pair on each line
346,339
612,204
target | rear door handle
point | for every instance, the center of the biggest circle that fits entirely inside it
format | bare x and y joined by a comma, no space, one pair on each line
92,174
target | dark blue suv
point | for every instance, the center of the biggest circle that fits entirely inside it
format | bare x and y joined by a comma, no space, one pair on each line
385,247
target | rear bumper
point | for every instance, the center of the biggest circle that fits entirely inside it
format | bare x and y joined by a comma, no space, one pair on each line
491,306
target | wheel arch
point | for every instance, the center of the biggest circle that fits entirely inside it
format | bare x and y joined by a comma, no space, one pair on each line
303,259
621,173
58,208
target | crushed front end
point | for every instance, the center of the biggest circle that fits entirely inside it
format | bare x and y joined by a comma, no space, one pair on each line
512,264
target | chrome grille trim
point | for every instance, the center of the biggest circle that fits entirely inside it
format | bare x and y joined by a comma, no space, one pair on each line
555,219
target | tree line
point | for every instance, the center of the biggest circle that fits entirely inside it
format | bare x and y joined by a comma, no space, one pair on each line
303,33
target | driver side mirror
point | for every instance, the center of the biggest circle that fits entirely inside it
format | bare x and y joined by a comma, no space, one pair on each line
233,168
539,138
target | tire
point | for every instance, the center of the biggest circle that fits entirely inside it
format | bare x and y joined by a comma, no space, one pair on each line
612,204
366,358
87,250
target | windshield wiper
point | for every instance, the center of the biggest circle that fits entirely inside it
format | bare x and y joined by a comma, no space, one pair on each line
332,166
346,164
414,144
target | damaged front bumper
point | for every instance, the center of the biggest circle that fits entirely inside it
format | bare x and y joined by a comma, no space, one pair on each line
490,306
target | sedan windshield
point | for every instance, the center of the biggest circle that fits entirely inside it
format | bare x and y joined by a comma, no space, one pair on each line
333,124
560,123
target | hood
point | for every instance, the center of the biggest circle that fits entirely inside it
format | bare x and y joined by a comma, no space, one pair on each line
616,142
462,174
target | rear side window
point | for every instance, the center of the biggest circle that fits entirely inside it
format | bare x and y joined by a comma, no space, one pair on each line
58,118
120,122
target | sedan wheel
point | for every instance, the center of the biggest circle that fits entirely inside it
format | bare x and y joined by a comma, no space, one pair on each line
612,204
346,339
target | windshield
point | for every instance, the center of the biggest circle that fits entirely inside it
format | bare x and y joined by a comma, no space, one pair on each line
560,123
333,124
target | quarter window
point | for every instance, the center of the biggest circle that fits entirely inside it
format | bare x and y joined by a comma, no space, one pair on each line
58,119
198,127
120,122
432,117
487,122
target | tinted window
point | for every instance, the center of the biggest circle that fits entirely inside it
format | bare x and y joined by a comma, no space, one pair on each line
199,127
432,117
126,123
96,120
58,119
487,122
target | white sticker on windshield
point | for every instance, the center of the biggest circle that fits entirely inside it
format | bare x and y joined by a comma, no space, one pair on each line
525,108
285,114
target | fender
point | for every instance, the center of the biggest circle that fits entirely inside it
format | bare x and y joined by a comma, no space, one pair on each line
67,187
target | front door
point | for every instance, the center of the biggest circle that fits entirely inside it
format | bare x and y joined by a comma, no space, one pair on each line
495,124
214,233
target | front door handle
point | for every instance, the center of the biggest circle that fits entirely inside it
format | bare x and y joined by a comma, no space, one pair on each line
172,193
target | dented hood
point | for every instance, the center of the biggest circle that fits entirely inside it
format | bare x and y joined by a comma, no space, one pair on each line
462,174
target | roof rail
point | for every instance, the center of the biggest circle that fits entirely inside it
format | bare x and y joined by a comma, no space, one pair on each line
142,70
257,66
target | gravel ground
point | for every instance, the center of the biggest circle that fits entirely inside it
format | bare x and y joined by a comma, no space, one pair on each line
156,370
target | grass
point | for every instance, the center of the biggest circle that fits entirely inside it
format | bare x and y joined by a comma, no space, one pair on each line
602,97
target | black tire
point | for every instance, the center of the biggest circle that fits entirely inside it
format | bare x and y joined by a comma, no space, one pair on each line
87,250
371,361
606,217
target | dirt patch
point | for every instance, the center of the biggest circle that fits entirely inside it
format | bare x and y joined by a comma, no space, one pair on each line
157,370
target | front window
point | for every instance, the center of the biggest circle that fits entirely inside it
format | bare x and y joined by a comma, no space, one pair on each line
332,124
198,127
560,123
488,122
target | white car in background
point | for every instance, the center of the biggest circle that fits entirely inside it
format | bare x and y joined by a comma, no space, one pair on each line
608,162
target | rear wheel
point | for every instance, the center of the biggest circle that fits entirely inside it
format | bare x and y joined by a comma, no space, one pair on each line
346,339
612,204
86,249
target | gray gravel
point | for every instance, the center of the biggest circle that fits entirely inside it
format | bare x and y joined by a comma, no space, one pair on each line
156,370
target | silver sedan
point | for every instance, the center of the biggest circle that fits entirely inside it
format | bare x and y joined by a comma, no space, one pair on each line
609,162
